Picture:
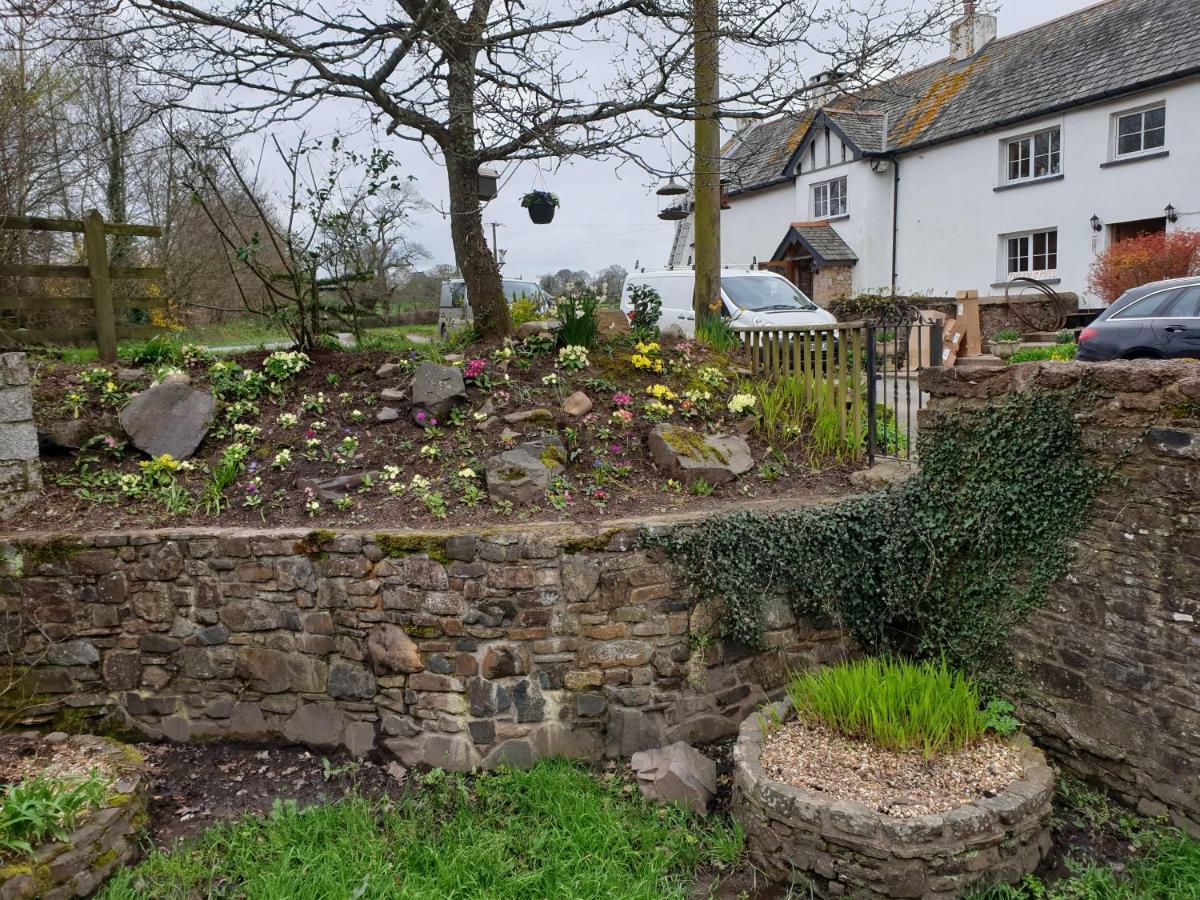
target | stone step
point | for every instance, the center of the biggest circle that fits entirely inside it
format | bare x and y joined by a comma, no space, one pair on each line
975,362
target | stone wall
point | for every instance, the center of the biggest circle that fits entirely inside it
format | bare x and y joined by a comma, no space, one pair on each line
447,649
843,847
831,282
20,472
1113,683
103,840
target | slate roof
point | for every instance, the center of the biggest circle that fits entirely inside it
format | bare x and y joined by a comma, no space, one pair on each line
758,158
1115,47
819,239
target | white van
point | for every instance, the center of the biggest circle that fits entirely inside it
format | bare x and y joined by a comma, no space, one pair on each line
751,298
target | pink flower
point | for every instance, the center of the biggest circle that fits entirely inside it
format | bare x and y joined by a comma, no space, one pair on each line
310,433
599,494
615,449
474,368
624,415
622,399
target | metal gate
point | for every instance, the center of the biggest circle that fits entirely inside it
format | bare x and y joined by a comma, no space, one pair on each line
900,343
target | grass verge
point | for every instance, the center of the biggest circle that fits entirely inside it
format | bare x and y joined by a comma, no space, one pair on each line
554,831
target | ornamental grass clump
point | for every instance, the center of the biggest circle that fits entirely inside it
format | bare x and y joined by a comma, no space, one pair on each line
895,704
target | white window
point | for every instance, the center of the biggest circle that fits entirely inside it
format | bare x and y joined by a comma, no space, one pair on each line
1033,156
1033,252
829,199
1140,132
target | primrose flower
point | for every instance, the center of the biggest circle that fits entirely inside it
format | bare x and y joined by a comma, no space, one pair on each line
740,403
466,472
622,399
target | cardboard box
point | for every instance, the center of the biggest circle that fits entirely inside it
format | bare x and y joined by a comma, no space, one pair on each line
951,340
967,310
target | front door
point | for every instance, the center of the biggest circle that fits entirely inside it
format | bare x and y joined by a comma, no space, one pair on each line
802,275
1123,231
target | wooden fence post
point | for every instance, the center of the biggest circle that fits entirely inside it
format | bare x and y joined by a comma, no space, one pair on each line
102,299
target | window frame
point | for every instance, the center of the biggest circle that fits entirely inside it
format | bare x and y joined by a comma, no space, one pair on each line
1029,140
1030,254
1115,152
827,187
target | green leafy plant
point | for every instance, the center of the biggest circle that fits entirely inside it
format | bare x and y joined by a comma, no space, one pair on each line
998,717
1059,352
157,351
46,807
647,310
942,566
1066,336
893,703
1007,334
714,331
539,198
227,470
576,314
523,310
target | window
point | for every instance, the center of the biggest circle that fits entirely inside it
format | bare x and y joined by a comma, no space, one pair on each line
1034,156
1177,303
829,199
1141,131
1034,252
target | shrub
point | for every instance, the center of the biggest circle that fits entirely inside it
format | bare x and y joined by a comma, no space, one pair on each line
895,704
1140,260
1059,352
39,808
157,351
871,305
523,310
647,310
576,314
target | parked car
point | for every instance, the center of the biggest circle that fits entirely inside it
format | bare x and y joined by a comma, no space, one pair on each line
454,310
750,298
1160,320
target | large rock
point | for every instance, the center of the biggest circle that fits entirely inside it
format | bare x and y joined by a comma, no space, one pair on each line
336,488
578,404
523,474
528,329
168,418
687,454
676,774
611,323
392,652
436,389
71,434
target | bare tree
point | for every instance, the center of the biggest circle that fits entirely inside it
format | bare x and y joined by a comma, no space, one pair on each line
483,81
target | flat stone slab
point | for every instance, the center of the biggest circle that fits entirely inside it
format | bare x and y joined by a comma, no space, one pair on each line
523,474
676,774
168,418
436,389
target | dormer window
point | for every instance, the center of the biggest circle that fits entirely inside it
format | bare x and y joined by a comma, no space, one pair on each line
1033,156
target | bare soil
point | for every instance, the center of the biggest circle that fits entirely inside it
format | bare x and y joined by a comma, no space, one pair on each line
610,473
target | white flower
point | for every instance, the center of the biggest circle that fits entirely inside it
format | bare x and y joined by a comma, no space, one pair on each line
287,420
550,379
282,459
740,403
391,473
466,472
419,482
573,357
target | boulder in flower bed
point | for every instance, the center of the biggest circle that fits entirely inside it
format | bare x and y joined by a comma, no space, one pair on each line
436,389
168,418
523,474
676,774
687,454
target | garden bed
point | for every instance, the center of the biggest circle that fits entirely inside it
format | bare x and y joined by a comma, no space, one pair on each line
276,441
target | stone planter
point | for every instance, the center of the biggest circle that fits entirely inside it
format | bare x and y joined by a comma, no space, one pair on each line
1003,349
102,840
841,847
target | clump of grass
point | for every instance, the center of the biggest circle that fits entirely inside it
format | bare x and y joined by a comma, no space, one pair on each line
896,704
554,831
714,331
45,807
1059,352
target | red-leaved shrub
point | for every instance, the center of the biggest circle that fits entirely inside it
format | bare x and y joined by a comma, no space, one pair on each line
1142,259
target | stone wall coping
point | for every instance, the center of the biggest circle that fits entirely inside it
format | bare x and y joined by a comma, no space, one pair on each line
1032,790
1140,376
564,530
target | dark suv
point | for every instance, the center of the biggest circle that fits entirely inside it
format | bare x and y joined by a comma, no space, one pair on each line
1155,321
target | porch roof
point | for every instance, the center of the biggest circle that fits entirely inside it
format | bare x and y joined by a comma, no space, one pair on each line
821,242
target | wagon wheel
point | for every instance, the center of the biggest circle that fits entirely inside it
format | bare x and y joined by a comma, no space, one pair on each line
1049,315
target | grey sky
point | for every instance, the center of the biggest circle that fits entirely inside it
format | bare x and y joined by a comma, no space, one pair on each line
608,215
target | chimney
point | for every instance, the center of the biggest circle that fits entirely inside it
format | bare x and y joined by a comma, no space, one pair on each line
823,87
971,33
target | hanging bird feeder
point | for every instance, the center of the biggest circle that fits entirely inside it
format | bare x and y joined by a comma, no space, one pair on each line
675,209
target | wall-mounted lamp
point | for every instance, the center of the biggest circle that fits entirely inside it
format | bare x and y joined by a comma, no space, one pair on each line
1172,216
1095,220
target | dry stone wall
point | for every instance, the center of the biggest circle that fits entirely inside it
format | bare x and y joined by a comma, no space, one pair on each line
20,471
1112,685
452,650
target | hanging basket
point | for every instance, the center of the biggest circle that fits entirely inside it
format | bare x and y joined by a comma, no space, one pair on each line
541,206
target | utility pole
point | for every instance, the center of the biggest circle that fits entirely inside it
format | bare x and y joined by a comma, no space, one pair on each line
495,246
706,179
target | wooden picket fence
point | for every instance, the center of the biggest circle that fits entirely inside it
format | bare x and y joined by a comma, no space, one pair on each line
104,307
828,361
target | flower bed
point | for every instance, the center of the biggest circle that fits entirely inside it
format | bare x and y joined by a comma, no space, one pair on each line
844,846
84,848
337,437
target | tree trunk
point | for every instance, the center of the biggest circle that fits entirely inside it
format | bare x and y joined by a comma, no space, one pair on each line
707,181
485,293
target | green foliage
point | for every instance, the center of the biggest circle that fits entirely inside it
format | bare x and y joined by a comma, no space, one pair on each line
647,310
231,464
42,808
789,410
1059,351
871,305
1007,334
553,831
895,704
714,332
539,198
523,310
157,351
998,717
1066,336
576,314
942,566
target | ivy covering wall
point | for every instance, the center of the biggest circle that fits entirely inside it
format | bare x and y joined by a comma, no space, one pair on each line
944,564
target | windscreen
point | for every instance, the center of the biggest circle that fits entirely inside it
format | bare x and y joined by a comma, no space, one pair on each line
759,294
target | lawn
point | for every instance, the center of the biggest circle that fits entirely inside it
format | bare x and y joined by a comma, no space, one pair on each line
554,831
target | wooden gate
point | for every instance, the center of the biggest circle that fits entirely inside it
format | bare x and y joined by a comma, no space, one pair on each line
105,328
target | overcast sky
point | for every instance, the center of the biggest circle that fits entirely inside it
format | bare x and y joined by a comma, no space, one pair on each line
607,215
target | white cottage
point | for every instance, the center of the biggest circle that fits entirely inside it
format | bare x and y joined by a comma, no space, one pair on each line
1021,155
